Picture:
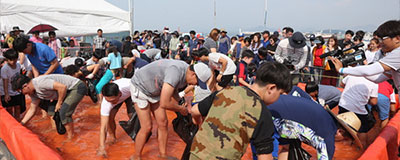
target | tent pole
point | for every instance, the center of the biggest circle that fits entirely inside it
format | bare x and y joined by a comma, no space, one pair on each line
131,30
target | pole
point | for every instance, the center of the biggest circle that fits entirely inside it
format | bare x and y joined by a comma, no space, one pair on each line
265,14
131,29
1,27
215,13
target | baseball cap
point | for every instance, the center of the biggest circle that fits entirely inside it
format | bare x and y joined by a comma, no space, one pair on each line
240,35
203,73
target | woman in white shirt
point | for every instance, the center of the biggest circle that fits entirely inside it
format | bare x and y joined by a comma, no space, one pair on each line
373,47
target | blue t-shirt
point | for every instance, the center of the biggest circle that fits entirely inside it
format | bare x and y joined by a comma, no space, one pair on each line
309,114
139,63
193,44
115,61
42,57
265,43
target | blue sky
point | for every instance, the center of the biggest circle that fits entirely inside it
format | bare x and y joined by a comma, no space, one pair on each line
302,15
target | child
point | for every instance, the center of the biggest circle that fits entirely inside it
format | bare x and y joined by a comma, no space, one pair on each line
218,62
115,60
12,100
251,69
242,73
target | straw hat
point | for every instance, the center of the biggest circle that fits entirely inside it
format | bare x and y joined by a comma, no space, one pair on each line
350,122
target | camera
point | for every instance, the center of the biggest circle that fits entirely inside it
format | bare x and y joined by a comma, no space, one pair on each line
289,63
356,57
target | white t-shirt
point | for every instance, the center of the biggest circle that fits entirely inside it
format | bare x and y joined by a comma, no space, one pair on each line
124,88
7,73
135,53
393,98
213,63
392,60
357,93
26,65
65,62
370,56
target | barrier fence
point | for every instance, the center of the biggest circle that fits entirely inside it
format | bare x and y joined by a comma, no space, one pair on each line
21,142
385,146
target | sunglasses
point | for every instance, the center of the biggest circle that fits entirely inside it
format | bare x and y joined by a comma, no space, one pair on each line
383,38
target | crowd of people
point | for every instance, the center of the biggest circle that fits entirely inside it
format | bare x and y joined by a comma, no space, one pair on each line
244,87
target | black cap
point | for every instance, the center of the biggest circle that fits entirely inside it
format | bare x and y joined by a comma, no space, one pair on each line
297,40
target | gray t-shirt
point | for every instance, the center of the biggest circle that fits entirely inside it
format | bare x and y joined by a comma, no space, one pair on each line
44,85
151,53
329,93
210,43
150,78
392,60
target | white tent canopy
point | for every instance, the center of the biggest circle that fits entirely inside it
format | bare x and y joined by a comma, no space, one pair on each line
70,17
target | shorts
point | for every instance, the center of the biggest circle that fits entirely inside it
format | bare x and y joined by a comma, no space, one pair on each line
72,99
17,100
140,98
383,107
363,118
225,80
102,52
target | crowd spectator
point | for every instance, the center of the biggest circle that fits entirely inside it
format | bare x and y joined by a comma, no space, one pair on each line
272,45
35,37
224,42
293,52
373,47
165,38
347,38
256,43
126,47
211,42
318,63
266,38
99,43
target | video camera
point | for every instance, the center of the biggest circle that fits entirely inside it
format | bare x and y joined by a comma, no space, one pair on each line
356,57
288,63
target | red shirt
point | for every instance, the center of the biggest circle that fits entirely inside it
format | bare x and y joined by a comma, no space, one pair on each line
318,61
385,88
242,74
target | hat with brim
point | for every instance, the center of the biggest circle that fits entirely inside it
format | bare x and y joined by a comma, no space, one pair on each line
297,40
16,28
203,73
350,122
223,31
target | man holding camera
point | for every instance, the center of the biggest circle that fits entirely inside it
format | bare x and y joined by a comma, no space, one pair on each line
293,52
386,68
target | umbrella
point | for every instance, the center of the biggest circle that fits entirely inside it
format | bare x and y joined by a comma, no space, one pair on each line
42,28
